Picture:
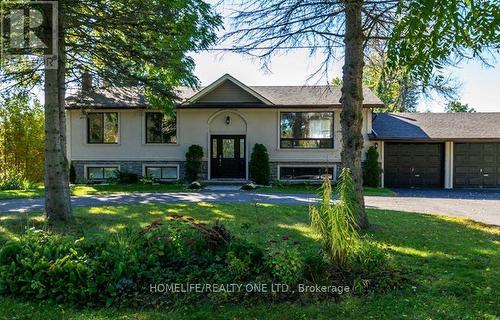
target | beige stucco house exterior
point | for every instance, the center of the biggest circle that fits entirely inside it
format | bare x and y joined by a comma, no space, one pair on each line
113,128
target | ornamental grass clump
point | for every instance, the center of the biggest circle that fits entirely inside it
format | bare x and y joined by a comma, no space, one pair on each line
336,223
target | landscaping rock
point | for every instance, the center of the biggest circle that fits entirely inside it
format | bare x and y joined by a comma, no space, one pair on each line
249,186
195,185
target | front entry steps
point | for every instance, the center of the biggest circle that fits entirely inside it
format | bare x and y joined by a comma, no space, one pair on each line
219,187
224,184
227,182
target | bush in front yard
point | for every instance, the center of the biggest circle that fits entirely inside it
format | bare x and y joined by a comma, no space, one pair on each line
16,182
336,223
127,177
371,168
260,171
120,269
193,162
72,173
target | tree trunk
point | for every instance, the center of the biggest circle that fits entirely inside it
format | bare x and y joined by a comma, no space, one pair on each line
352,103
57,195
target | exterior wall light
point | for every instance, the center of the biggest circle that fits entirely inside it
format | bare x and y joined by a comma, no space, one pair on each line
228,120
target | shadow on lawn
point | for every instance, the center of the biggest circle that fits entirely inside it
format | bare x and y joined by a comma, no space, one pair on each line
258,223
408,234
444,255
453,263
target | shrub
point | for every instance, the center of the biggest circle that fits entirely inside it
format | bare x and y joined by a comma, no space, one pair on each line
260,171
244,259
284,260
42,266
336,224
72,173
126,177
371,168
147,180
119,269
193,162
16,182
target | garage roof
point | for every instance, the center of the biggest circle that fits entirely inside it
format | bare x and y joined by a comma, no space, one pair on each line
436,126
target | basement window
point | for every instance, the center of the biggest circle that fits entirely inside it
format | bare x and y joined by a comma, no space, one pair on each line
101,173
163,173
316,173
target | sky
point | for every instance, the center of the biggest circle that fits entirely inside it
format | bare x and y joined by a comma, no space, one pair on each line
480,86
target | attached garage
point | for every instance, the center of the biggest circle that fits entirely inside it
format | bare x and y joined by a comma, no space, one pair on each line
414,165
429,150
476,165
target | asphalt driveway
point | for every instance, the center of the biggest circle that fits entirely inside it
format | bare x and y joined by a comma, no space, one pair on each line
480,206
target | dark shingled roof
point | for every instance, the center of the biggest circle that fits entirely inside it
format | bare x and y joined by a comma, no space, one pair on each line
112,97
310,95
133,97
436,126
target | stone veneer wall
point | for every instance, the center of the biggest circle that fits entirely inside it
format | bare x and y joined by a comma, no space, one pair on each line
135,167
274,166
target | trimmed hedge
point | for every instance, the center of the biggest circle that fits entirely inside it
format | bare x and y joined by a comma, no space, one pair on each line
193,162
260,172
371,168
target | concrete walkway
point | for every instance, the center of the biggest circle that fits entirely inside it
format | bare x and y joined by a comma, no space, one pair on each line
484,209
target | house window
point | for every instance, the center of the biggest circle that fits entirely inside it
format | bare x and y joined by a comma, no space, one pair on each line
306,130
305,173
162,173
101,173
160,128
102,127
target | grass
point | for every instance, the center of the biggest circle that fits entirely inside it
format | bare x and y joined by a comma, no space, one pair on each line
22,194
453,263
83,190
312,188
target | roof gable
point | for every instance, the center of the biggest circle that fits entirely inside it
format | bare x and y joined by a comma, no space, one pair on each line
227,90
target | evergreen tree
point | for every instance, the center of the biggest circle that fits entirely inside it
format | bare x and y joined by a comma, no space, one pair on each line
260,171
371,169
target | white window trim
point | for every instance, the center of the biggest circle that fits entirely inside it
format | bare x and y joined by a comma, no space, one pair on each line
86,166
333,166
143,130
162,165
278,144
86,129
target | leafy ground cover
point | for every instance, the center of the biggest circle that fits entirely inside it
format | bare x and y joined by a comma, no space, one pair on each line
453,263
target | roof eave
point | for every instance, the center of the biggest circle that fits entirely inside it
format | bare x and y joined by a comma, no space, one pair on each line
75,107
409,139
264,106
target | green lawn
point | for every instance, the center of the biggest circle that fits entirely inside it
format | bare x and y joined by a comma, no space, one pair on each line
21,194
311,188
454,264
82,190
